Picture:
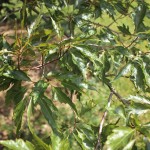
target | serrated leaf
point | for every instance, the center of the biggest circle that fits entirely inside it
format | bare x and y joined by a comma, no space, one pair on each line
15,93
62,97
124,29
47,112
120,8
87,52
139,108
19,144
129,145
107,130
56,27
20,75
59,143
71,86
83,141
80,63
34,25
138,77
139,16
145,130
106,63
5,83
119,138
40,143
124,71
18,114
38,90
120,110
139,99
17,75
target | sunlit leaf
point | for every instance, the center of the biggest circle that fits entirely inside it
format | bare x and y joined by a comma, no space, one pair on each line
124,71
34,25
18,144
139,99
17,75
38,90
120,137
40,143
18,114
56,27
129,145
139,15
138,77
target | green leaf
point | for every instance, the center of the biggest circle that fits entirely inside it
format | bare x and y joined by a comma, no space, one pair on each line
15,93
138,77
38,90
58,142
139,15
107,130
62,97
34,25
46,110
120,137
129,145
40,143
139,99
85,143
124,29
19,144
20,75
124,71
17,75
18,114
139,108
80,63
71,86
87,52
55,140
120,8
145,130
64,145
5,83
120,111
147,147
106,63
56,27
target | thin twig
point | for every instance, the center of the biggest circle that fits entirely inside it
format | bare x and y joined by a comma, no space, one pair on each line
99,144
101,25
115,20
45,64
132,42
124,101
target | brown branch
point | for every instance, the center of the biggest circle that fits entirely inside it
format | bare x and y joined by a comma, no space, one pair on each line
132,42
115,20
45,64
99,145
101,25
124,101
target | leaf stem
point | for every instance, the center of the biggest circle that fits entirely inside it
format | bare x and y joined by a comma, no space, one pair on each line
99,144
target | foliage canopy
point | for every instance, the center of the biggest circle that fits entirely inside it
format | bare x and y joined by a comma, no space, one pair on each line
79,48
